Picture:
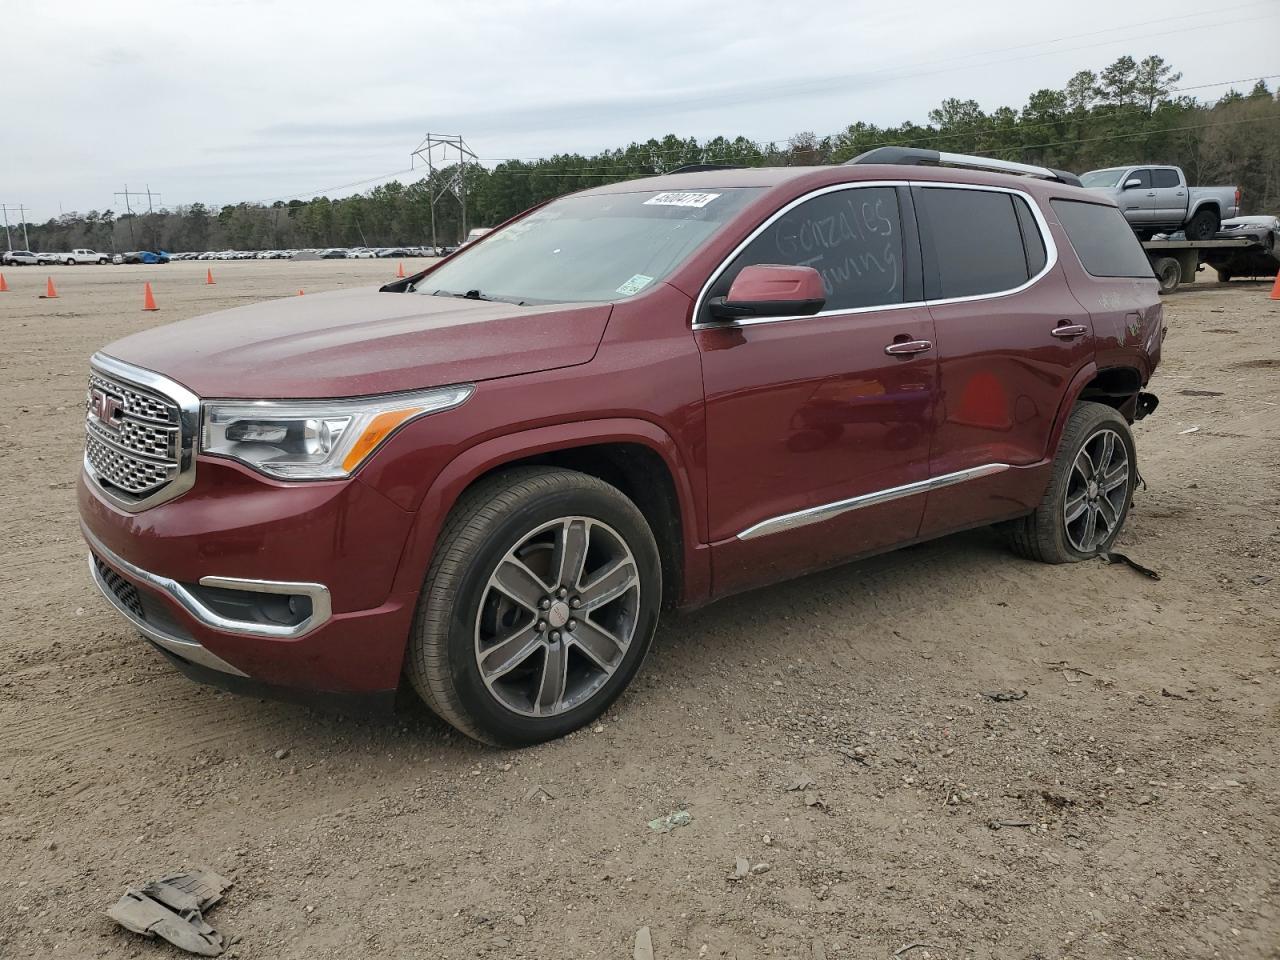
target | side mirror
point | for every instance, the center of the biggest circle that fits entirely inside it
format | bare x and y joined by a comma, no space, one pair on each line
1132,182
771,290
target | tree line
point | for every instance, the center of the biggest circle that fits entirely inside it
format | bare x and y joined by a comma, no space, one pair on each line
1129,112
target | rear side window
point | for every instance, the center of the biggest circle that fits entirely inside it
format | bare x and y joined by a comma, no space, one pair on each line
1103,239
972,242
1032,240
1164,178
852,237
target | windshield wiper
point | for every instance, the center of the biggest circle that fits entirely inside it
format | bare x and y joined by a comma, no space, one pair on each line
469,295
475,295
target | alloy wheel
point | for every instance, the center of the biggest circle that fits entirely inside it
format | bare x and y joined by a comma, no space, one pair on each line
1096,491
557,616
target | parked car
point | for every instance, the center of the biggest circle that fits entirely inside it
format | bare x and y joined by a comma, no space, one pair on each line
1260,260
394,252
19,258
360,253
141,256
1157,199
49,258
646,395
84,255
1264,230
334,253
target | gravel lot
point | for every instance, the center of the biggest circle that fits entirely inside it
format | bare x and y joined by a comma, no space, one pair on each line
1137,779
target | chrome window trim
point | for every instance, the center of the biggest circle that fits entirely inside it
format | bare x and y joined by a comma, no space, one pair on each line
321,603
1051,255
188,405
827,511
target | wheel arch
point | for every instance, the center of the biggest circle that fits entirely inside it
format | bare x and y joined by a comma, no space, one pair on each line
1116,386
636,456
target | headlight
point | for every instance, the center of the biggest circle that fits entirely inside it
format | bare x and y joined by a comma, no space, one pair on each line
315,439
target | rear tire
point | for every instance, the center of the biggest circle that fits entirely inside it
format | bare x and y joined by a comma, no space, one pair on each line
1204,224
539,606
1169,272
1224,276
1094,472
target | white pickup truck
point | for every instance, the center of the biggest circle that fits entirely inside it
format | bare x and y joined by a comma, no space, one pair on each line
1156,199
85,256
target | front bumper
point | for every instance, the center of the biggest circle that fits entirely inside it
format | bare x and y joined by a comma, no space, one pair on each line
333,548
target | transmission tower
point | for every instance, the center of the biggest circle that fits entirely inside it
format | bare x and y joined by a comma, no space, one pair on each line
437,150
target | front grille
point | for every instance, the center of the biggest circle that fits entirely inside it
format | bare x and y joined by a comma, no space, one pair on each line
121,589
134,439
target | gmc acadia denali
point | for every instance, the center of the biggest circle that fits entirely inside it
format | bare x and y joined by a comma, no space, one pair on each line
490,477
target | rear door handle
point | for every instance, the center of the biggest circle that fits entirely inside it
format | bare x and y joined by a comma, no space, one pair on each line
907,347
1068,330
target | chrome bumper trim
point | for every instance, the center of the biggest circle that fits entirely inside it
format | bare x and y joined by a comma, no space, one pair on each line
321,605
802,518
186,649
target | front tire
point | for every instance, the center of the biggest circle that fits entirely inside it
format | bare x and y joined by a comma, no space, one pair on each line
539,606
1089,494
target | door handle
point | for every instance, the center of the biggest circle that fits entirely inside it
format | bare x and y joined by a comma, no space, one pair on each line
1066,331
905,348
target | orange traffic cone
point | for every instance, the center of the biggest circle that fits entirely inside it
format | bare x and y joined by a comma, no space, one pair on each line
148,298
1275,290
50,291
299,293
400,272
4,287
208,277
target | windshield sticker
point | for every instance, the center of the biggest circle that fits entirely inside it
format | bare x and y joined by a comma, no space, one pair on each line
681,199
635,284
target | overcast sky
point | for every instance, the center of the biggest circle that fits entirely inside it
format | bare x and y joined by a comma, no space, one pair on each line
229,100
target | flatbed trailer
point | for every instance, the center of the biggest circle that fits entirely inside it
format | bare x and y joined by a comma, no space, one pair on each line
1176,262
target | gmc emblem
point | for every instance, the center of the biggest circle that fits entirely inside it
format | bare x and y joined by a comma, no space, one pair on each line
104,408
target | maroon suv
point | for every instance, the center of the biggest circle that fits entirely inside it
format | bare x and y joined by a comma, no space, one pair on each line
491,477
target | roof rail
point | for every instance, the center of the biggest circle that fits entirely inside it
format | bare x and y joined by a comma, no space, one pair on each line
702,167
914,156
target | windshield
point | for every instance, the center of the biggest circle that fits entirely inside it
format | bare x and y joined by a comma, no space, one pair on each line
1102,178
589,247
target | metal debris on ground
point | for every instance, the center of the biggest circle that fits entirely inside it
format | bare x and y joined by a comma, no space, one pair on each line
644,945
1201,393
1166,692
1260,580
802,782
1000,824
173,908
914,946
1130,563
1004,696
538,792
681,818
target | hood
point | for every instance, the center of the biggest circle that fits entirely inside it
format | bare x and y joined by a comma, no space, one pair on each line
358,342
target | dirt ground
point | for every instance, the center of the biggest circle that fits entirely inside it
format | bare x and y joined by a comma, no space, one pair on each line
1137,781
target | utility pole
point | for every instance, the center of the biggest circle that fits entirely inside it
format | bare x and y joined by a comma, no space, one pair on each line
456,184
127,193
7,239
22,215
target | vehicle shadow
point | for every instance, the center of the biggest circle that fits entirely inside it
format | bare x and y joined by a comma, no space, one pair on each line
693,649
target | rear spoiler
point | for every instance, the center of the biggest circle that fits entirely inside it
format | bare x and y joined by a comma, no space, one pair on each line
914,156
